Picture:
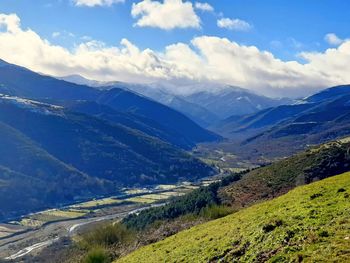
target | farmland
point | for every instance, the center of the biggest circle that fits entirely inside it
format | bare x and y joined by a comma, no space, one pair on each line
27,231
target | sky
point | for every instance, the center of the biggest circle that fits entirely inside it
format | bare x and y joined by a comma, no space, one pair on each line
274,47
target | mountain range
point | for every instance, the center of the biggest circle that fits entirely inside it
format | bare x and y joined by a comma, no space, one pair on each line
205,104
287,129
62,142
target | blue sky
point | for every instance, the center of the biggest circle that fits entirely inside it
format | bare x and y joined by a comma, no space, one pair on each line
284,28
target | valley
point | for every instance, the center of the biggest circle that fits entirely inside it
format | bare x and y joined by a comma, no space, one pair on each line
103,174
34,232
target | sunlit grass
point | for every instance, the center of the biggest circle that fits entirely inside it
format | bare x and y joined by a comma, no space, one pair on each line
97,203
310,223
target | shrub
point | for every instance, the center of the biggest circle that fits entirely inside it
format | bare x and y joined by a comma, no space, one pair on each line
271,226
314,196
108,235
97,255
215,211
341,190
323,233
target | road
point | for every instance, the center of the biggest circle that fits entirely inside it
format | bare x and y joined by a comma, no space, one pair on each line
30,242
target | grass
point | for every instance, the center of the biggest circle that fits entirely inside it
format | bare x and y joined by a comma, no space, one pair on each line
97,203
152,198
65,213
39,219
278,178
309,224
166,186
141,200
97,255
29,222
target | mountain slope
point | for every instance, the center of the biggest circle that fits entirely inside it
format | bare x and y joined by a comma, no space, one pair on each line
278,178
196,112
123,100
229,101
330,93
21,82
31,178
132,121
322,104
308,224
99,148
284,130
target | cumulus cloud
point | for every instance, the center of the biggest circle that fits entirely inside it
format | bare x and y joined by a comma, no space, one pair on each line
204,7
234,24
92,3
333,39
206,59
167,15
9,23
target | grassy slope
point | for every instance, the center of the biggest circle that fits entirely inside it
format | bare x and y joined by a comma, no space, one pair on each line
278,178
311,223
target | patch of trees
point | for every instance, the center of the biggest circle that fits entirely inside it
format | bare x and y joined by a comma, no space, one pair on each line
197,202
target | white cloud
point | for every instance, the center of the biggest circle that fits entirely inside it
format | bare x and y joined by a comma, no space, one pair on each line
55,34
204,7
167,15
92,3
333,39
63,34
206,59
234,24
9,23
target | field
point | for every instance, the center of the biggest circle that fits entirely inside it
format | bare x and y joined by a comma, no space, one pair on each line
39,219
6,230
97,203
310,224
142,196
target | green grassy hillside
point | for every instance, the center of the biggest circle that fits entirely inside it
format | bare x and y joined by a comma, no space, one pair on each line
309,224
278,178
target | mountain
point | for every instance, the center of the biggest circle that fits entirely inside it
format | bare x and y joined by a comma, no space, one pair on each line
21,82
122,100
229,101
77,155
97,147
132,121
207,107
31,178
235,125
204,107
286,129
329,93
197,113
307,224
80,80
